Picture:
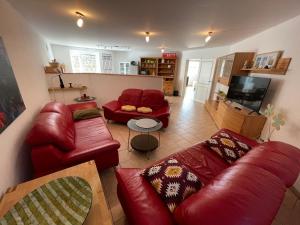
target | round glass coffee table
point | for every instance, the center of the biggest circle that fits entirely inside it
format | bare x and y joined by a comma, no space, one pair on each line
144,142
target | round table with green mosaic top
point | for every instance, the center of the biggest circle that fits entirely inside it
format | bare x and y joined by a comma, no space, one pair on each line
64,201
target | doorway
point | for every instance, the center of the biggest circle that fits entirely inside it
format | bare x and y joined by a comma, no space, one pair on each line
198,79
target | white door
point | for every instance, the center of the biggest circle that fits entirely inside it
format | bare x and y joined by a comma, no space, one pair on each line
203,85
193,69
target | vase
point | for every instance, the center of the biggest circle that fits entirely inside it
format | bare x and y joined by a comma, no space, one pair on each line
61,82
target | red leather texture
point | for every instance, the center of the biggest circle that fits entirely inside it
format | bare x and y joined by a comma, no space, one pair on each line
131,97
51,134
52,128
249,192
137,97
153,99
243,194
202,162
140,202
278,158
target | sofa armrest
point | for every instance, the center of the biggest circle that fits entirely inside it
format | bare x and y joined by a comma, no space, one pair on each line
112,106
78,156
46,159
140,202
79,106
162,112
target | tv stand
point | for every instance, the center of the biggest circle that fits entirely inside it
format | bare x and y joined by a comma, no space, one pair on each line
243,121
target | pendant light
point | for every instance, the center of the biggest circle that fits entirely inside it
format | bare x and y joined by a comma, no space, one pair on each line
80,21
208,37
147,38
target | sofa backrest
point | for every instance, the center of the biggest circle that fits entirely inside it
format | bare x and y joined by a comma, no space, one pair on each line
242,194
64,110
52,128
131,97
152,98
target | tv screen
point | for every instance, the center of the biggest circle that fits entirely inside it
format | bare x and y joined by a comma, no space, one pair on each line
248,91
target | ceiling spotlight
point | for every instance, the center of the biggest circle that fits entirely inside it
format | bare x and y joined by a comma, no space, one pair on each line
147,38
80,21
207,39
162,50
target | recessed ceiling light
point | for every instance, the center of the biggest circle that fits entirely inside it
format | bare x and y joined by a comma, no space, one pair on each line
208,37
80,21
147,38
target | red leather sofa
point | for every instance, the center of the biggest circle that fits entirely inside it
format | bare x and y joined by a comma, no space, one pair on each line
249,192
58,142
139,98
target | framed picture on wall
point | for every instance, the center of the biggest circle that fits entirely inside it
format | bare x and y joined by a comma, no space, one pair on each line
267,60
11,102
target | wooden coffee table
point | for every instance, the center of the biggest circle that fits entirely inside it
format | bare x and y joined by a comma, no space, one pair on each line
99,213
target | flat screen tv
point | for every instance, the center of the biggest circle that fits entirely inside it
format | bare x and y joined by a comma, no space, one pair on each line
248,91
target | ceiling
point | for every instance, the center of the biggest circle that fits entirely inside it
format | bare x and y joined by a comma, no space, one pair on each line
175,24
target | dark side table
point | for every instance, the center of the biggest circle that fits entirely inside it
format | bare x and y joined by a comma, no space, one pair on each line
145,141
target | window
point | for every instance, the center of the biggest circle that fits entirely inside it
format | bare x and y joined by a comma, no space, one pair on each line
85,61
106,63
124,67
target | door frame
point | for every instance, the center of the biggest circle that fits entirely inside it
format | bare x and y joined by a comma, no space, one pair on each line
186,72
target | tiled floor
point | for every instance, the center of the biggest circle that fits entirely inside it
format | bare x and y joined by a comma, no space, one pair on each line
189,124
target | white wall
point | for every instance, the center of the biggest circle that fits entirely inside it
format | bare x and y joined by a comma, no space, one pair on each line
62,54
284,90
205,53
104,87
27,53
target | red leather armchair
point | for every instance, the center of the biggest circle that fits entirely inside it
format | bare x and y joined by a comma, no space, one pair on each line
139,98
58,142
248,192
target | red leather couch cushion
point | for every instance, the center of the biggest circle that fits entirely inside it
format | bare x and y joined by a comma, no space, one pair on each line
58,107
153,99
139,200
131,97
202,162
278,158
242,195
52,128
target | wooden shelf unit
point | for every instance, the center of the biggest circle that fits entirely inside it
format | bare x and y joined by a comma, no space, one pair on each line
166,68
243,121
281,68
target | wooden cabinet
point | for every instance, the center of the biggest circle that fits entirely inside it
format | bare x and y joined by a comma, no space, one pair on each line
166,68
242,121
230,65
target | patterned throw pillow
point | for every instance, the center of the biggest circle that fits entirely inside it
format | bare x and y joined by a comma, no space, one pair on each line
227,147
172,181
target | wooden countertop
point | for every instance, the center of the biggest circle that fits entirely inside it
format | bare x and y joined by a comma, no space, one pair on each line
99,213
